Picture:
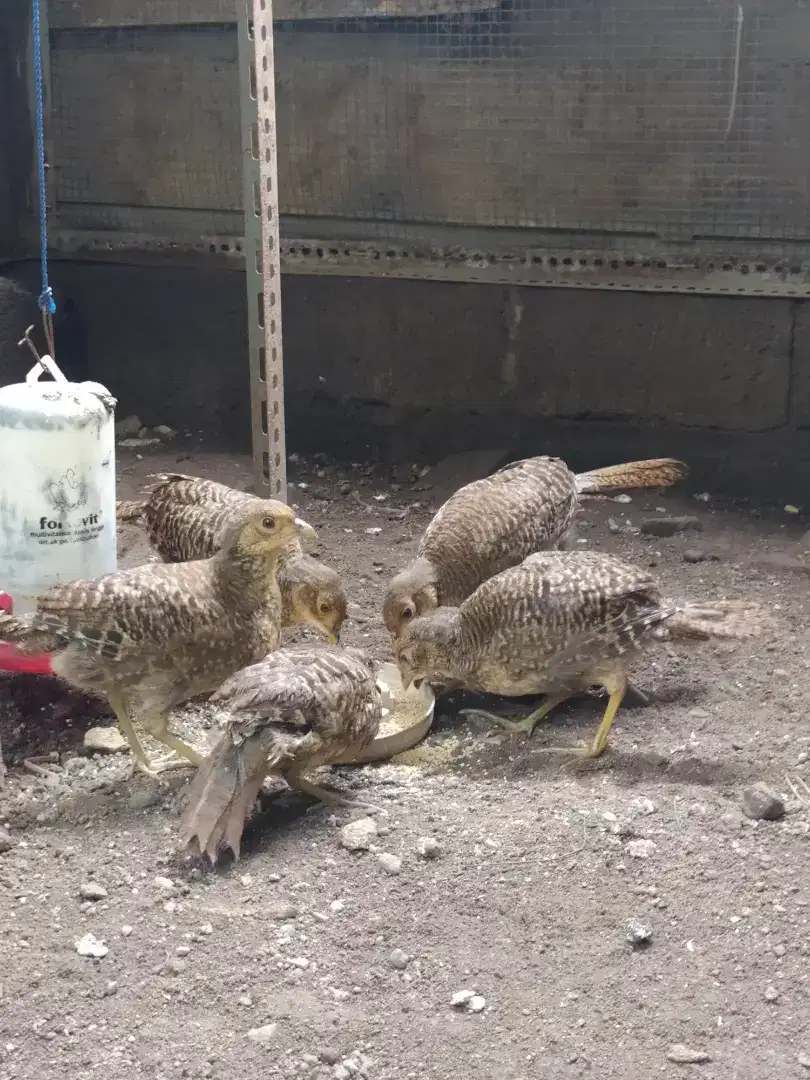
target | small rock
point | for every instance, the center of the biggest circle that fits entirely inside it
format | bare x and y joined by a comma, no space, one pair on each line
206,929
182,950
779,950
104,740
392,864
804,1060
137,444
669,526
262,1035
126,931
645,805
357,835
164,885
284,911
428,848
336,905
477,1003
90,946
111,988
246,1000
762,804
175,965
6,840
684,1055
91,890
461,998
638,933
399,959
130,425
771,994
164,431
640,849
695,555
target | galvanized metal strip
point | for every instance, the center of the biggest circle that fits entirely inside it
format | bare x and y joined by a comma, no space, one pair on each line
263,269
719,274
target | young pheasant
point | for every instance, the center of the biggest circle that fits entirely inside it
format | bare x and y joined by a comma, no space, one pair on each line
558,624
299,708
184,517
157,635
496,522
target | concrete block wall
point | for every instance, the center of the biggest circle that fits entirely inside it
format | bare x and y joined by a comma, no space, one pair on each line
413,370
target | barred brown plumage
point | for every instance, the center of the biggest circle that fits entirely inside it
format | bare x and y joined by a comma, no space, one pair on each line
495,523
560,623
184,517
299,708
157,635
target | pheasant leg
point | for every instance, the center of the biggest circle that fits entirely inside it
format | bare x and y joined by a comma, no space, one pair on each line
616,686
332,798
158,728
151,767
525,726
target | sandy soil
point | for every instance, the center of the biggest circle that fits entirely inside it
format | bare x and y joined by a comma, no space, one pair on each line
310,960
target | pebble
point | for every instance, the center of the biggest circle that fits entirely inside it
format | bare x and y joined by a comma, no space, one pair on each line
392,864
284,911
91,946
126,931
6,840
130,425
164,884
262,1035
640,849
461,998
477,1003
337,905
771,993
104,740
398,959
804,1060
182,950
762,804
695,555
165,431
669,526
638,933
684,1055
357,835
91,890
175,966
428,847
111,988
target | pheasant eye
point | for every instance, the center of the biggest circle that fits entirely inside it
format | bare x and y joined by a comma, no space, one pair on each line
269,523
324,609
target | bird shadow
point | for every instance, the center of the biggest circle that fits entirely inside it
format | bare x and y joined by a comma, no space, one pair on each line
497,756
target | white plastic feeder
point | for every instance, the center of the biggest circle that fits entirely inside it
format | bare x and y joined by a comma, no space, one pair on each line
57,483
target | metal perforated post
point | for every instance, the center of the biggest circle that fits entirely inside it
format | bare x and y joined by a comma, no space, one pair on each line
263,271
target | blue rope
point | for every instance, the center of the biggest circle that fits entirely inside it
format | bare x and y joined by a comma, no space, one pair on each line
46,300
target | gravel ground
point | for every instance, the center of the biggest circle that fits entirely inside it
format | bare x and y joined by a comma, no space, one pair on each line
504,919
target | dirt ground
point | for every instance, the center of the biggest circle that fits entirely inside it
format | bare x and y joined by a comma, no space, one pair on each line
310,960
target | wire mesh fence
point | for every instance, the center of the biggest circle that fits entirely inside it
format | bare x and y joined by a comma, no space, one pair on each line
589,120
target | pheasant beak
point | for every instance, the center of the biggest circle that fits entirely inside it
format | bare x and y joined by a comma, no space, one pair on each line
334,639
305,530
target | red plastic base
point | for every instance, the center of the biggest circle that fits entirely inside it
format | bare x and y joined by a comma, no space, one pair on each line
13,660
